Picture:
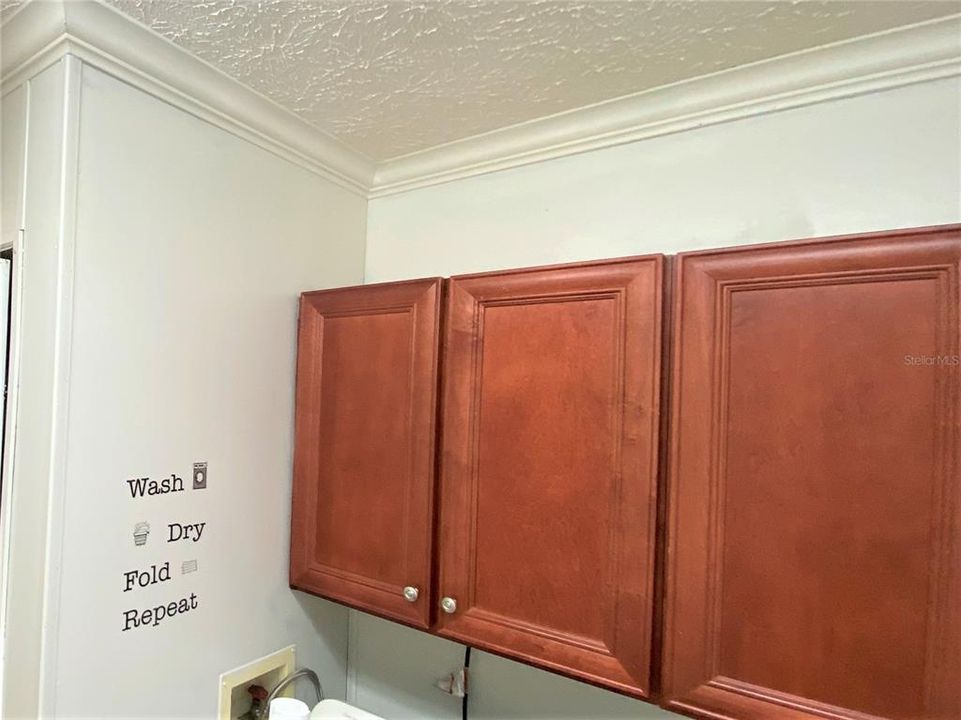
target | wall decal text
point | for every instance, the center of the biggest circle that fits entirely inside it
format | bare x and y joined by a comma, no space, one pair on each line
143,578
185,532
152,617
145,486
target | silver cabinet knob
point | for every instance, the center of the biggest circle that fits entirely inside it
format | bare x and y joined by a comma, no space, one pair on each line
448,605
411,593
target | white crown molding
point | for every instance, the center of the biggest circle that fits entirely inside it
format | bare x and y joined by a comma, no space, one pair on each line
918,53
42,31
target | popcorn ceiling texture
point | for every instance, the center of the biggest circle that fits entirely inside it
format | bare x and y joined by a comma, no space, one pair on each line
393,77
7,7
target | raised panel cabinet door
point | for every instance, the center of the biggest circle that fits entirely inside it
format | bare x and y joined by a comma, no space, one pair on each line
814,555
549,464
363,498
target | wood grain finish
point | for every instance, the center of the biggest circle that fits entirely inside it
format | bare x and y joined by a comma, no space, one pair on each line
548,490
814,551
363,500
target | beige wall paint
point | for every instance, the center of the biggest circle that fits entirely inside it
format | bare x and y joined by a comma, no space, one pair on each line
874,162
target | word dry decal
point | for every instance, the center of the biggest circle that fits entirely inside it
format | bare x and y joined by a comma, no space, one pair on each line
185,532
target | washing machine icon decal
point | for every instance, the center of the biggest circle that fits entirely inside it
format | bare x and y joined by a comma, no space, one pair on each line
200,476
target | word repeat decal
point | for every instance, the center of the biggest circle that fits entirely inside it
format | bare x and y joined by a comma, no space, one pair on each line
159,574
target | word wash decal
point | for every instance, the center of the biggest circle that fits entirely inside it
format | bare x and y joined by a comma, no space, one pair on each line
153,537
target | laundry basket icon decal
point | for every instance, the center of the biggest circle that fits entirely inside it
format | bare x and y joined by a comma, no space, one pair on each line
140,532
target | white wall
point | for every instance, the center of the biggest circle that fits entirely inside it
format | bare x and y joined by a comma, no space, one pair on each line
875,162
13,120
878,161
189,251
34,197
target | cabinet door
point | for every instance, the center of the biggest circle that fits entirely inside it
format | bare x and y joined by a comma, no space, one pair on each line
815,525
550,434
362,519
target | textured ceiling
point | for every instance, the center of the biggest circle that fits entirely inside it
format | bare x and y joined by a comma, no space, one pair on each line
7,7
390,78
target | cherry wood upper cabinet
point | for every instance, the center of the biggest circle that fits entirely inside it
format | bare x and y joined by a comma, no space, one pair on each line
363,500
548,473
814,555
